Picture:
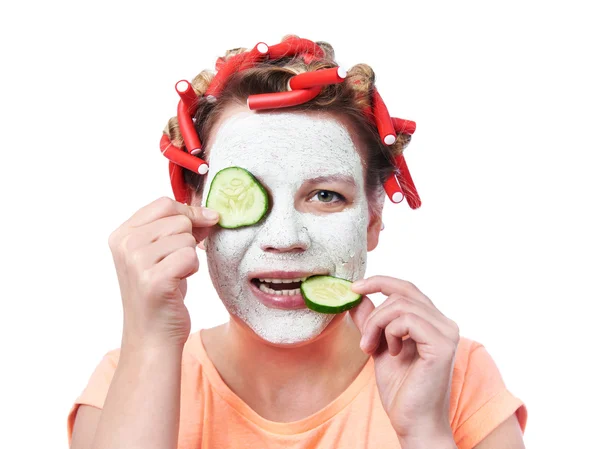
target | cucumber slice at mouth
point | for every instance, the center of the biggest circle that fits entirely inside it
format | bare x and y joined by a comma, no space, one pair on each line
329,294
238,196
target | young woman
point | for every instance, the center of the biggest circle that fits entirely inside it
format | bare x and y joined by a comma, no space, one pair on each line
278,374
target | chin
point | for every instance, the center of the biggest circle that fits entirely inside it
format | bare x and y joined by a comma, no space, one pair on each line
307,327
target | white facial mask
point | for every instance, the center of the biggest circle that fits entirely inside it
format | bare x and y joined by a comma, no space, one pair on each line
283,150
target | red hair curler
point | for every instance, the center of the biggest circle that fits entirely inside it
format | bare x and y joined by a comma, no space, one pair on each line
400,184
220,63
177,159
186,127
403,183
308,58
182,158
227,69
407,184
383,120
303,88
188,95
258,53
185,109
282,99
177,183
295,46
317,78
236,63
393,189
404,126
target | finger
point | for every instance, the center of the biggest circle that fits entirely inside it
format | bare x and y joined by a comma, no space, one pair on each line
202,232
175,224
161,207
199,227
161,228
360,313
427,337
380,318
179,264
393,342
201,216
397,304
405,345
165,207
373,312
389,285
160,249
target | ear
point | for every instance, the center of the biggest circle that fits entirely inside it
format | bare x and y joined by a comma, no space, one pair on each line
373,232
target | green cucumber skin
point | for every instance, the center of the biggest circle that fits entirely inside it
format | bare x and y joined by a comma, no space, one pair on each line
257,182
328,309
325,309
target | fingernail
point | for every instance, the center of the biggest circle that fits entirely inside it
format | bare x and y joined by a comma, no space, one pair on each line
362,343
358,284
210,214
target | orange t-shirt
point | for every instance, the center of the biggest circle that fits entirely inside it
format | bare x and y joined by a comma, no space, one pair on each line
214,417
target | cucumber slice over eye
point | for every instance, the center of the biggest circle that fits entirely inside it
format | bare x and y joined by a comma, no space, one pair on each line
238,196
328,294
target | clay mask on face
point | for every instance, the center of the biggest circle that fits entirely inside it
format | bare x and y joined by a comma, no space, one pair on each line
284,150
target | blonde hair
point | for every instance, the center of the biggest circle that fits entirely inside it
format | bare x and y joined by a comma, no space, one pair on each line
351,98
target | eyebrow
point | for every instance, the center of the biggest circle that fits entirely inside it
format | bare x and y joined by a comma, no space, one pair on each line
333,178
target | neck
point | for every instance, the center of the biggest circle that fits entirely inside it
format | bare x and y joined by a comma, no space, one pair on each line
271,379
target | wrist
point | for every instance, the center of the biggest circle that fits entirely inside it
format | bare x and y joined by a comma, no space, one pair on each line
148,351
150,343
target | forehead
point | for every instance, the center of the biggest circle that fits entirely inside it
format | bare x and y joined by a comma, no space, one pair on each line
285,146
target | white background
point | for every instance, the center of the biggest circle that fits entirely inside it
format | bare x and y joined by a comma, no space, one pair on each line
506,98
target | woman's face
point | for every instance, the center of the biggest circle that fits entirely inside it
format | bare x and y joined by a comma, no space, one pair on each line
317,221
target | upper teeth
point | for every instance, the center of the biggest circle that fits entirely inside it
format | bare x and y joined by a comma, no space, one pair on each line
282,281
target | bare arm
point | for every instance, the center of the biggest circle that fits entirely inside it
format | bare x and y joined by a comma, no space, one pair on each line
154,253
507,435
142,405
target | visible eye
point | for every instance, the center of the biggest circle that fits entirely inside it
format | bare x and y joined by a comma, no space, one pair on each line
327,196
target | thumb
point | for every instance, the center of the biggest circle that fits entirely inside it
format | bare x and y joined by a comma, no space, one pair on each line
361,312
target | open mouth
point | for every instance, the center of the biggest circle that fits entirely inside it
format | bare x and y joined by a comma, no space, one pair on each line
280,287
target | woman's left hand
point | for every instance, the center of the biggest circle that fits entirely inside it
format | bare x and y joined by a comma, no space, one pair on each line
413,346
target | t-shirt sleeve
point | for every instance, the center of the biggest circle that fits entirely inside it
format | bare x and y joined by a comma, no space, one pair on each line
484,402
96,390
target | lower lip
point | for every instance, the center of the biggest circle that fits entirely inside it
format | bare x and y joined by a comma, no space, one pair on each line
287,302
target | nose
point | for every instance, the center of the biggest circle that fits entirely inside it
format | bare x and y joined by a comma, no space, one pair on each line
283,230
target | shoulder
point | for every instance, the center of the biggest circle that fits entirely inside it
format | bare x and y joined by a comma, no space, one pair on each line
468,374
480,400
194,353
192,356
472,364
473,361
465,349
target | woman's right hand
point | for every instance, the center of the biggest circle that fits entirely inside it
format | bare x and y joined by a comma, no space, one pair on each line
154,252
